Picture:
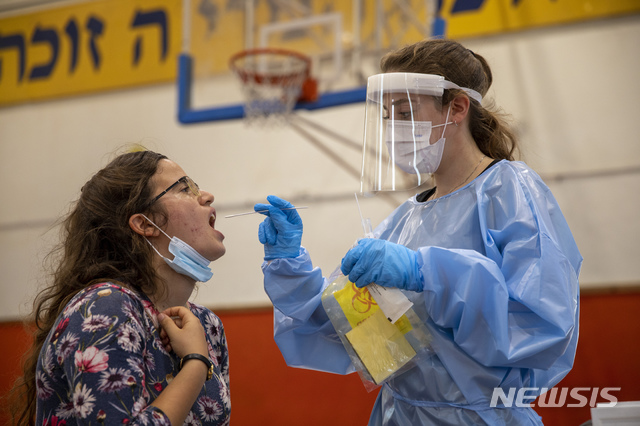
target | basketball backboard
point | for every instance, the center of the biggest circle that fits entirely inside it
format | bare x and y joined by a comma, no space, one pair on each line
344,40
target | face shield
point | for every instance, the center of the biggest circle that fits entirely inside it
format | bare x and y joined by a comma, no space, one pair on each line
404,130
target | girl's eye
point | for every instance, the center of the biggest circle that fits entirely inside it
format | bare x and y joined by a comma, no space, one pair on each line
404,115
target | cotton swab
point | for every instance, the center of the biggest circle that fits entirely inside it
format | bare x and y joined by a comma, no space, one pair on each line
262,211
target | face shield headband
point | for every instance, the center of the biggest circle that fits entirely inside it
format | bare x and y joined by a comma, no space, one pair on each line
399,152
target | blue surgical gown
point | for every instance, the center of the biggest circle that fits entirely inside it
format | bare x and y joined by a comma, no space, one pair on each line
501,299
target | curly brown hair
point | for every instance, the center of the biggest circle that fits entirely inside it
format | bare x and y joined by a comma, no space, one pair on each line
96,245
465,68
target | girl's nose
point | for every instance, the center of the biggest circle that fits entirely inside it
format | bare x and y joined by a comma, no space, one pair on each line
206,197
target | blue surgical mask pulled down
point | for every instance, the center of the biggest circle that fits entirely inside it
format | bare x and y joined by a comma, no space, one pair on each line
186,261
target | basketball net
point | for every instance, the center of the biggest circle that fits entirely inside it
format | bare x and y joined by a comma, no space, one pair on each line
273,81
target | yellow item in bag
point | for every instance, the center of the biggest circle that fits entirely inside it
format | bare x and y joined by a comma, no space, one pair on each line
357,305
378,349
381,346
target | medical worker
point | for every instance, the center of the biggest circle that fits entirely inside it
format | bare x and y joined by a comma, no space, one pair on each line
486,253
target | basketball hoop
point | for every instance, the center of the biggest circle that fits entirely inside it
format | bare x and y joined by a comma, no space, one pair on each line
273,81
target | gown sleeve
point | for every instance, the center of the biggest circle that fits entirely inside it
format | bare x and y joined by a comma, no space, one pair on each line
302,330
516,305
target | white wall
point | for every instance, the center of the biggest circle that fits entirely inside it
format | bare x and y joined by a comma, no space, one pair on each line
572,90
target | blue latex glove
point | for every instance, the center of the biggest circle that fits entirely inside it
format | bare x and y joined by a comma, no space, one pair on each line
281,231
384,263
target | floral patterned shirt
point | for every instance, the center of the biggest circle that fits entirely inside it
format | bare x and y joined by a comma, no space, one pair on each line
104,363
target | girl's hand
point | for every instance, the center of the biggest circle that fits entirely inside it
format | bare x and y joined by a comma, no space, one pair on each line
182,332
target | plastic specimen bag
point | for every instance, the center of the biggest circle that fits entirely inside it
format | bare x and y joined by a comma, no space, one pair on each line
378,348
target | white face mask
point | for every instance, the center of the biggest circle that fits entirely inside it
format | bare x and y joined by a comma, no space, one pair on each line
186,260
409,145
399,97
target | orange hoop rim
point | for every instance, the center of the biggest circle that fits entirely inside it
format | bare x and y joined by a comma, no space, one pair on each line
261,78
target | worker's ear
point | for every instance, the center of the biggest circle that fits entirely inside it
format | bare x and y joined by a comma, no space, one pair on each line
459,108
142,226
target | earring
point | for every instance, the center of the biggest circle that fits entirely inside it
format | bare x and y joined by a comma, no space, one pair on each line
455,122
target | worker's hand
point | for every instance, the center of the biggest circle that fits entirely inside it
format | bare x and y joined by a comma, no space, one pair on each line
281,231
384,263
182,332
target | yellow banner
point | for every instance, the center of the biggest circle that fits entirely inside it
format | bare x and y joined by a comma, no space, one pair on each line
88,47
473,18
108,44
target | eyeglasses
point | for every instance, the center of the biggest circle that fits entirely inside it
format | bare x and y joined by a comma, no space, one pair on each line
187,182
